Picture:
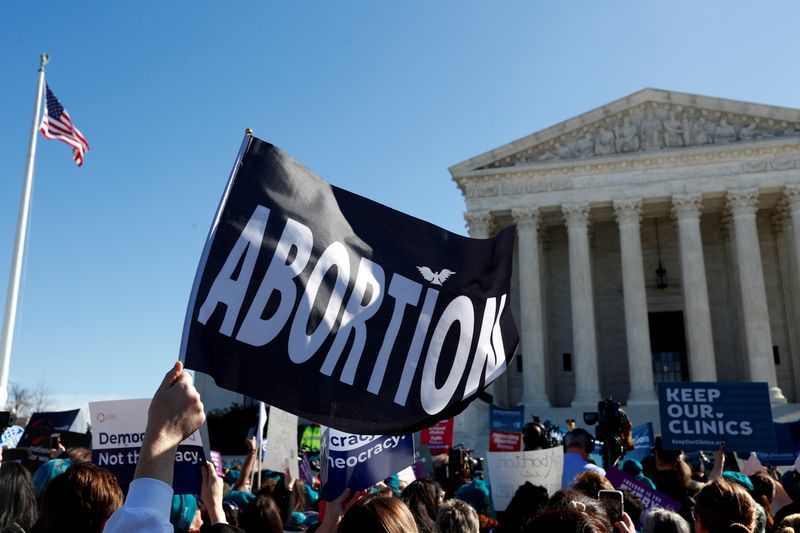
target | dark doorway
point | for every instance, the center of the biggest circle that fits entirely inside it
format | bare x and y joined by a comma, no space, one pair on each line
668,344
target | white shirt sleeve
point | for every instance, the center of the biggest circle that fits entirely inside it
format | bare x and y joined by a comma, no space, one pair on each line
146,508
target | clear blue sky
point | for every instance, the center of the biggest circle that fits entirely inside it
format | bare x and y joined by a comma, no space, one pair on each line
376,97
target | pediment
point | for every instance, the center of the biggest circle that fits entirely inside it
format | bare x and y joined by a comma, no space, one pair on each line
650,120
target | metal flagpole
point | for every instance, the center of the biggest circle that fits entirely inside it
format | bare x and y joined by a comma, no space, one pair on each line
12,297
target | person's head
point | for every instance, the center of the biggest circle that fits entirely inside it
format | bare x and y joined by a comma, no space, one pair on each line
261,514
790,524
422,498
77,455
456,516
572,519
81,499
17,497
658,520
579,441
633,505
724,506
378,513
590,482
763,493
299,491
183,512
526,503
666,459
47,472
563,500
476,493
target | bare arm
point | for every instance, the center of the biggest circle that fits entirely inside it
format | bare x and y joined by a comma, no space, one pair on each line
243,483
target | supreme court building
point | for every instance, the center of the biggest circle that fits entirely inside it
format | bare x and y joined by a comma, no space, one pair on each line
658,240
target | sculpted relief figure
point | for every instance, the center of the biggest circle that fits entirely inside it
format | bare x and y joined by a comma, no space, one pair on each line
563,151
724,133
651,131
748,132
604,144
700,134
673,131
627,136
584,146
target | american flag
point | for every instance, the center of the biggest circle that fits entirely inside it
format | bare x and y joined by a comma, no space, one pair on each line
56,124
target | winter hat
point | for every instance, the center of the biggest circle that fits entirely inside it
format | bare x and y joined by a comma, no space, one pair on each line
45,474
240,497
634,468
475,493
184,507
739,478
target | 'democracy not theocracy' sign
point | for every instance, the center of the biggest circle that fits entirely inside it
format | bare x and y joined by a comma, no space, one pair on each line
359,461
703,415
117,432
341,310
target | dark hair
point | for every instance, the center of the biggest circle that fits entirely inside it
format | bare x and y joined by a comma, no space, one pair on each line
590,482
81,499
526,503
378,513
580,438
723,506
421,497
261,514
17,497
633,506
77,455
568,520
763,493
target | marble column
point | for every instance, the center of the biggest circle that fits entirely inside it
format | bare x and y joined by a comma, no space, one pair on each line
743,204
782,227
686,209
584,339
792,201
640,360
534,369
791,235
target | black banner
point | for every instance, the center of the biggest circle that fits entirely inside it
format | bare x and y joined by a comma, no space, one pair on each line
342,310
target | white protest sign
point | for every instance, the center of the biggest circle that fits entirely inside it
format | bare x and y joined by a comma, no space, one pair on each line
509,470
282,442
117,432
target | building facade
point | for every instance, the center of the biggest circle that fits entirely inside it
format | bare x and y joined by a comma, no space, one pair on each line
658,240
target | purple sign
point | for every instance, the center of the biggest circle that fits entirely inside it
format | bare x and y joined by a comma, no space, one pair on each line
216,458
650,498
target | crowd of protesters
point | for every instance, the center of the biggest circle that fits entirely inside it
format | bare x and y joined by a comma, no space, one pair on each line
70,494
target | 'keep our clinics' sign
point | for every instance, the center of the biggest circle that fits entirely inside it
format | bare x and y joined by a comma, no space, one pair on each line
703,415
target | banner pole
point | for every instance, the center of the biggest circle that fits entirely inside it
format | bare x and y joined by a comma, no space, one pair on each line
12,296
248,136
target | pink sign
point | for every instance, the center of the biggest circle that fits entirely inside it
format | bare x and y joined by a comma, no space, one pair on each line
505,441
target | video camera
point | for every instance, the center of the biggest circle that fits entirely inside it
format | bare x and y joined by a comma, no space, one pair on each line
462,466
614,431
540,436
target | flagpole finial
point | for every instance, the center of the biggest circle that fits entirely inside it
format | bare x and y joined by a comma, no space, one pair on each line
248,131
43,60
